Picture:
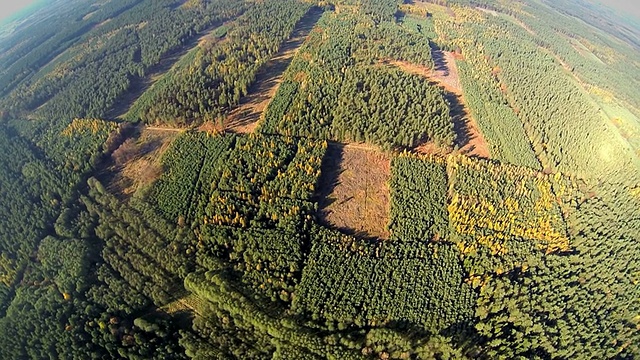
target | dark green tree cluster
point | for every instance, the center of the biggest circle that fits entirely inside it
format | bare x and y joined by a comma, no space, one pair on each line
507,140
560,120
233,325
250,197
63,309
33,195
487,259
140,245
66,261
536,299
233,311
25,52
593,49
348,283
267,182
389,40
268,260
379,10
418,199
41,324
367,111
188,164
218,334
581,298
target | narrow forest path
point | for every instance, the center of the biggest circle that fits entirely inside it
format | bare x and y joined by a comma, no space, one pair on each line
158,128
245,117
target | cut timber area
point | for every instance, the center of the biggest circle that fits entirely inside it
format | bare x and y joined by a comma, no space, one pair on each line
354,190
245,117
469,138
136,163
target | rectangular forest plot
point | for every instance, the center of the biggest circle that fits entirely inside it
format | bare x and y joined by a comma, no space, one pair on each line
491,205
418,198
354,191
350,282
253,208
187,166
469,138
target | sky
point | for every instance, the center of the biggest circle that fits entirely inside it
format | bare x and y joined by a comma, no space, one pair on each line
631,7
9,7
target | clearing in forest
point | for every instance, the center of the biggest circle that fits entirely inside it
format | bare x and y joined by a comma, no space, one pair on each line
244,118
470,139
354,190
191,303
136,163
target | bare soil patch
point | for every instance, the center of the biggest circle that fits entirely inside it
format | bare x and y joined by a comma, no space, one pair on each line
245,118
136,163
354,190
190,303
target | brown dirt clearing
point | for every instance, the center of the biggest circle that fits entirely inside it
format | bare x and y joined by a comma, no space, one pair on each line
245,118
354,190
136,163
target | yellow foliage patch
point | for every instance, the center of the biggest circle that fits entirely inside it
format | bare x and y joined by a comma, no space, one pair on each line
528,212
88,126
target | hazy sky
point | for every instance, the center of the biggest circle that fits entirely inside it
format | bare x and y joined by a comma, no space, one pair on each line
631,7
8,7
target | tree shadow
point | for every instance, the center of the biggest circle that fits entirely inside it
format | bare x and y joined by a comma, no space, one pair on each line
460,119
330,171
438,59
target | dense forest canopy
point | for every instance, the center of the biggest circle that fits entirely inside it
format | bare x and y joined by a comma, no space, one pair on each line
169,171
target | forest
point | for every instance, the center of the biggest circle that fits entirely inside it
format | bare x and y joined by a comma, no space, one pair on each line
219,76
224,251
